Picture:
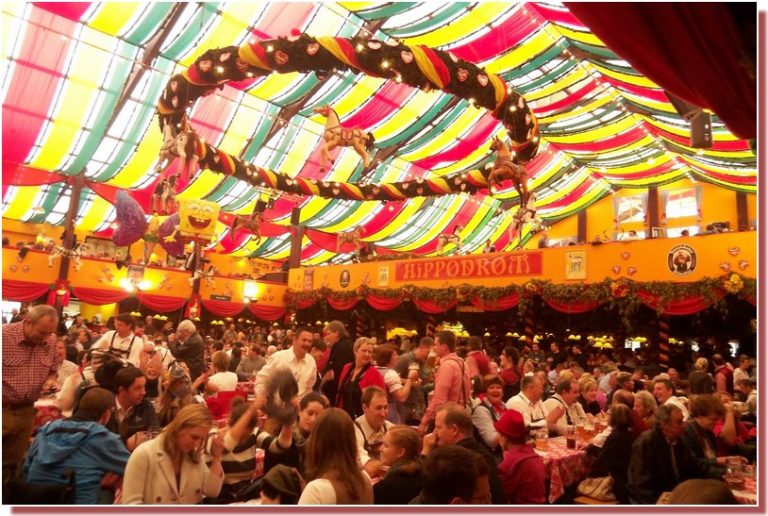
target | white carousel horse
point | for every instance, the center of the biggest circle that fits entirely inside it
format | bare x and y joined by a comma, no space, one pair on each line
184,145
505,168
350,237
335,134
206,272
526,215
75,254
450,238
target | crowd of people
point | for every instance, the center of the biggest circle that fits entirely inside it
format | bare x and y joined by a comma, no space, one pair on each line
154,414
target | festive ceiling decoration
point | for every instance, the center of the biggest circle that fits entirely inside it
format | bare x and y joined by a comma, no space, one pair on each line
418,66
88,103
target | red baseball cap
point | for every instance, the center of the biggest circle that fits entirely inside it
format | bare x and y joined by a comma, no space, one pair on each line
511,424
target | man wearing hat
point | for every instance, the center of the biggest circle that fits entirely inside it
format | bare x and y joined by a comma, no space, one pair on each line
521,471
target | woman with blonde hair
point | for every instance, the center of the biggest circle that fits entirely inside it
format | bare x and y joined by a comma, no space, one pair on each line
588,395
356,376
335,477
700,381
400,452
168,469
220,378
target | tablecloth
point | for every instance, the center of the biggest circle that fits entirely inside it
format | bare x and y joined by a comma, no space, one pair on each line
564,466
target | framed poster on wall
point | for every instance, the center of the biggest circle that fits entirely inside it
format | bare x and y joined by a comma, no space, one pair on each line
576,265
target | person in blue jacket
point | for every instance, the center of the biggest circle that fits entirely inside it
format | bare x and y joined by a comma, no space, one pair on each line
83,444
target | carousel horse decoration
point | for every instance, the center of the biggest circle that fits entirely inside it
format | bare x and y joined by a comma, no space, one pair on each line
75,254
205,271
252,224
335,135
450,238
350,237
185,145
164,196
526,215
505,168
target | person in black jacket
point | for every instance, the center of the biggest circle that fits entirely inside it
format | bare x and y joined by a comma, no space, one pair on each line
335,335
616,452
699,437
189,348
660,461
403,482
454,426
134,415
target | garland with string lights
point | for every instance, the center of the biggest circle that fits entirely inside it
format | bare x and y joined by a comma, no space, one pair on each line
417,65
623,294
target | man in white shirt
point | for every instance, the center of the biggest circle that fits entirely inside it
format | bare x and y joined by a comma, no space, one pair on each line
742,371
122,341
296,359
664,391
370,429
528,403
566,394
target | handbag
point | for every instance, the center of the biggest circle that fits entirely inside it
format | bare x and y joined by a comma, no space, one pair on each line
599,488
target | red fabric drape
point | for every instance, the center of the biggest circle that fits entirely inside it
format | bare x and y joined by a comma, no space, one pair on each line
161,303
683,306
751,300
692,50
267,313
497,305
97,296
223,308
382,302
42,55
431,307
16,290
305,303
22,175
327,241
71,10
342,304
572,308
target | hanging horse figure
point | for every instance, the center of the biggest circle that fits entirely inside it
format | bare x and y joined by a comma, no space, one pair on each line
450,238
335,134
505,168
350,237
526,215
164,196
252,224
186,145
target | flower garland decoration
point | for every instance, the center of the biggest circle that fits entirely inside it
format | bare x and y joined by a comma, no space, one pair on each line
416,65
533,291
733,284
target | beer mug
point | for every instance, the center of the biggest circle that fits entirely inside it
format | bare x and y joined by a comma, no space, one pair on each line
734,475
542,439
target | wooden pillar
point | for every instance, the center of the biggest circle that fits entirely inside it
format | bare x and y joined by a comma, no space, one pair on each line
581,226
654,219
68,239
297,235
742,212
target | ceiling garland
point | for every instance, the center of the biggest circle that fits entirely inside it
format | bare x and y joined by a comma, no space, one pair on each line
417,65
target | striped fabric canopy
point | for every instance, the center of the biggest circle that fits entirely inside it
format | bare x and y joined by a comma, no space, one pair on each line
81,81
